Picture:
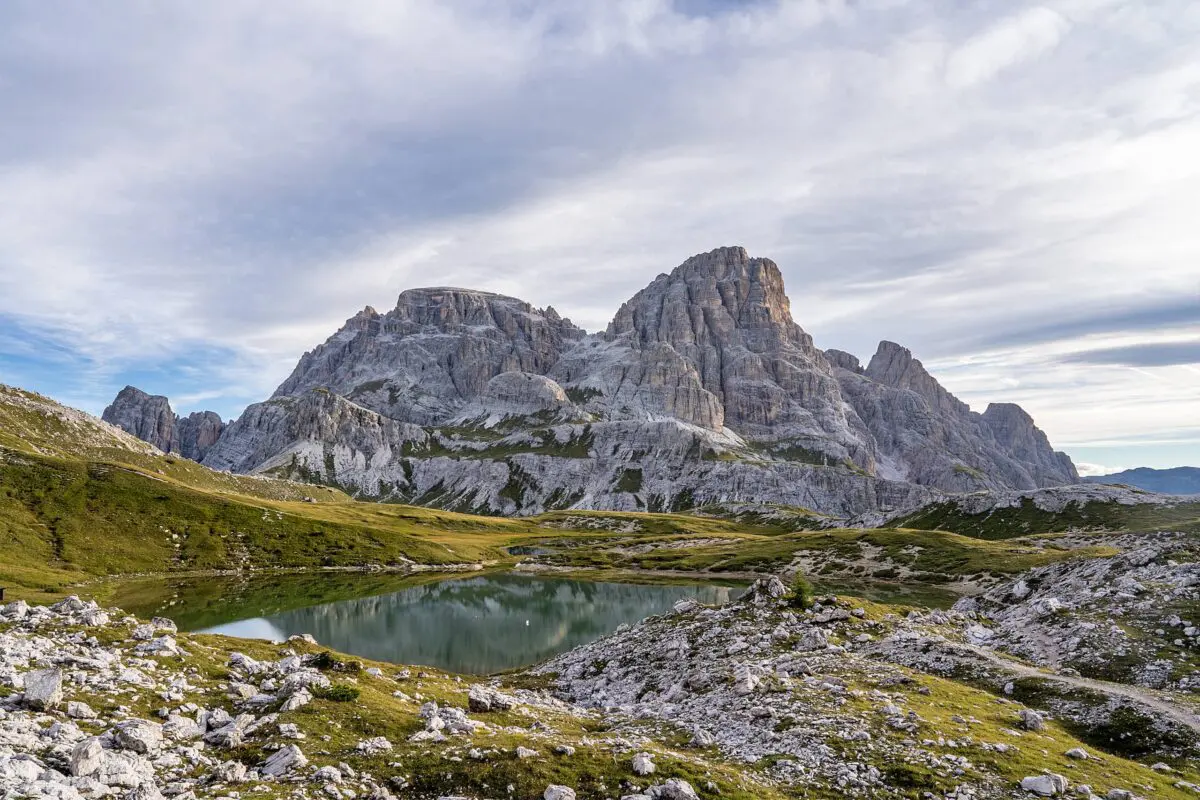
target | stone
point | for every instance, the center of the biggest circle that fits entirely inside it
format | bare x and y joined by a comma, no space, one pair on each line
181,729
1032,720
525,752
674,789
481,699
138,736
643,764
145,791
43,689
80,710
327,775
1049,785
86,757
371,747
557,792
230,772
1077,753
114,768
231,733
283,761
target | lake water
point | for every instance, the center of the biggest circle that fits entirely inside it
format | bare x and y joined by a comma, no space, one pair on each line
476,624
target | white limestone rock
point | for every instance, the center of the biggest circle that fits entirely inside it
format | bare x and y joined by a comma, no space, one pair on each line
43,689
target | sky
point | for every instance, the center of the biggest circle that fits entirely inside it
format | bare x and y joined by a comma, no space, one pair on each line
194,194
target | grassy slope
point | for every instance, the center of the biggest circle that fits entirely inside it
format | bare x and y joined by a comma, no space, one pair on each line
1007,523
936,553
79,499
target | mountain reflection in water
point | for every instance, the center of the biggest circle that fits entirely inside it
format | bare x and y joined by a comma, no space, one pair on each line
475,625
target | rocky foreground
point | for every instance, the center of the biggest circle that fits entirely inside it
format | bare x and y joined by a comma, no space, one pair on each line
761,698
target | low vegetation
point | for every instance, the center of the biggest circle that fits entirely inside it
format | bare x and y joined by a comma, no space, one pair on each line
1027,519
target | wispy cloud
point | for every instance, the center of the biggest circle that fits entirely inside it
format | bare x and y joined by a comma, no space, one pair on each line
1005,187
1158,354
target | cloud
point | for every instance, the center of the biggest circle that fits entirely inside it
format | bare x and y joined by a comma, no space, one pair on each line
999,186
1163,354
1007,43
1088,469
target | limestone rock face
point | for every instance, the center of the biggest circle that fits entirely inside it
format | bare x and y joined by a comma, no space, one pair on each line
313,422
720,325
434,352
702,390
520,395
198,432
926,435
150,418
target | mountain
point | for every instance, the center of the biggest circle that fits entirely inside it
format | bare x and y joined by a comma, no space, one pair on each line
150,418
1177,480
702,390
926,435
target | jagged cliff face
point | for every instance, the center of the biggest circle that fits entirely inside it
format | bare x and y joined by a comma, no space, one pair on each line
926,435
714,344
433,353
150,418
703,389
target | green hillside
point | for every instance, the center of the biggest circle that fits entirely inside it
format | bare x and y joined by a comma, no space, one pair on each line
1027,519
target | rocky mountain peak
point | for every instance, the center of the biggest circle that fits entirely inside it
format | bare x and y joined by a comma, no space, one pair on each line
1015,431
722,320
893,365
434,352
146,416
843,360
717,296
151,419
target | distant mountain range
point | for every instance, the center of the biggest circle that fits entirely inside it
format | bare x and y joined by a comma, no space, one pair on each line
702,390
1177,480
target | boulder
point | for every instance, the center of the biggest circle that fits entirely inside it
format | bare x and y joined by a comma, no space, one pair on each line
43,689
1049,785
643,764
283,761
138,736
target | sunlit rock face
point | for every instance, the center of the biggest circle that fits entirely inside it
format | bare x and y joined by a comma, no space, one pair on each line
435,351
702,390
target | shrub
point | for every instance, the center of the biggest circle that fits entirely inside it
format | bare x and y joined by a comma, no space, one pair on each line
802,592
339,693
323,660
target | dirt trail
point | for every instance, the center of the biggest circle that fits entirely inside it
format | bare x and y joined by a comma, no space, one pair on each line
1188,717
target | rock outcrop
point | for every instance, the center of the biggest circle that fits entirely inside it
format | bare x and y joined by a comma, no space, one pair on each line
714,344
926,435
146,416
150,418
703,389
434,352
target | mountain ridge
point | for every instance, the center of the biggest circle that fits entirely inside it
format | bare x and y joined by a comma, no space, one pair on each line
1174,480
702,389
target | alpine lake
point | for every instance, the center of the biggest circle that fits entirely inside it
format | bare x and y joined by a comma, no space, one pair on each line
469,623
